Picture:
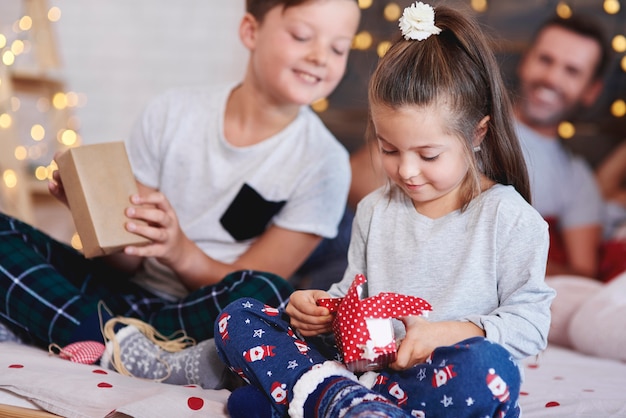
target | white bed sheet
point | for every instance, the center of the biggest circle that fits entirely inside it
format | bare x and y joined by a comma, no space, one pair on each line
10,398
564,383
558,383
81,391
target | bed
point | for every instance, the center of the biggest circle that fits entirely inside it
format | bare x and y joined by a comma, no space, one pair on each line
558,383
564,383
31,381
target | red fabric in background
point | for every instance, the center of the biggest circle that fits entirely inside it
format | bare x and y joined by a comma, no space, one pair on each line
612,259
556,252
612,253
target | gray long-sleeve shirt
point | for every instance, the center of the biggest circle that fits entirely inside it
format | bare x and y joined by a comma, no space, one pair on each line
485,265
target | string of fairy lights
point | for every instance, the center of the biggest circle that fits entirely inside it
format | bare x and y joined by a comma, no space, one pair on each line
16,42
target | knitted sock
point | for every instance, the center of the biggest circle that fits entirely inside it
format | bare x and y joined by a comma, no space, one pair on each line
338,396
142,352
330,391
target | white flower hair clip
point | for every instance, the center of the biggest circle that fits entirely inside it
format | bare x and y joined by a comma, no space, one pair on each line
418,22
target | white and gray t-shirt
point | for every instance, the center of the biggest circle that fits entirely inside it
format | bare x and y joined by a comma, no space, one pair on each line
485,264
226,196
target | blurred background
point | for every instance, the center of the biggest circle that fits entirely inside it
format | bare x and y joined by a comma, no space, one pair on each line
510,24
80,72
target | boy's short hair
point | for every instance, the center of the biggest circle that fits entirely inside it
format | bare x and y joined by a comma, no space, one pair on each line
583,26
259,8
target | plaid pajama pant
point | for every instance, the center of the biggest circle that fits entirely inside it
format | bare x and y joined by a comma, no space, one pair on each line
47,289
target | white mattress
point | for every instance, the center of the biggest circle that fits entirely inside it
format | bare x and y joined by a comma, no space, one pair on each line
10,398
31,378
558,383
564,383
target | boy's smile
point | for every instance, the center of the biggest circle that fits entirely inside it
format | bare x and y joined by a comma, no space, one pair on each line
300,53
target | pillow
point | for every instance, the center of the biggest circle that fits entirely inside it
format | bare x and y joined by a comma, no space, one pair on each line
598,327
571,293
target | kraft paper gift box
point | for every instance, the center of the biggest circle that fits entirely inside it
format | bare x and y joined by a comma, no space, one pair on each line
363,327
98,183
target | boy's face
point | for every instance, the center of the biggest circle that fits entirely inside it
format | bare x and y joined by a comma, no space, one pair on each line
556,75
299,54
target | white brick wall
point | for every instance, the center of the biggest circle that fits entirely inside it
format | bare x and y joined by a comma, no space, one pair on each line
120,53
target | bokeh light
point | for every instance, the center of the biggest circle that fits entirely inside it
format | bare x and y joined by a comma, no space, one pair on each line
564,10
54,14
611,6
10,178
567,130
362,41
618,108
320,105
479,5
619,43
392,12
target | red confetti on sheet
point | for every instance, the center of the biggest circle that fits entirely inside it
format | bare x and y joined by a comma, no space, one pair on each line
99,371
552,404
16,366
104,385
195,404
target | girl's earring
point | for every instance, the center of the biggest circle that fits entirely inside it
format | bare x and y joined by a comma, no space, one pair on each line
477,148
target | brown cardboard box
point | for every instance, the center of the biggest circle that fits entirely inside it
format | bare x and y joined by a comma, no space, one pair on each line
98,182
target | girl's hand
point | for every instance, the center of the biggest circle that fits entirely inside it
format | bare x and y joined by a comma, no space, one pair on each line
423,336
161,227
416,345
308,318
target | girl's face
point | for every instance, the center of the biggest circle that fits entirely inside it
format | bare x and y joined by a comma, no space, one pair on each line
299,54
421,156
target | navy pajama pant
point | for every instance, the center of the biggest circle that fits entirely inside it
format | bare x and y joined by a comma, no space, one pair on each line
48,289
473,378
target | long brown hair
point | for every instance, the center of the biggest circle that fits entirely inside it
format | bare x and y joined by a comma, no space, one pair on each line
457,67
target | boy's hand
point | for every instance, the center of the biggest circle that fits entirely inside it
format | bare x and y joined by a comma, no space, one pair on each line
308,318
55,185
161,227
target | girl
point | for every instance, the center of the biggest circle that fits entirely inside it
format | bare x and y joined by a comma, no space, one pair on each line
454,227
232,179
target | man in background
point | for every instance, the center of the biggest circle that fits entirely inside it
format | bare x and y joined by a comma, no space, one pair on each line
560,74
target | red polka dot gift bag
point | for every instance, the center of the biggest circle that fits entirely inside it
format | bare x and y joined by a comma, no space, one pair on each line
363,327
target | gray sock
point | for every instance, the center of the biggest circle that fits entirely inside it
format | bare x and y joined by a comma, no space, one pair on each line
141,357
